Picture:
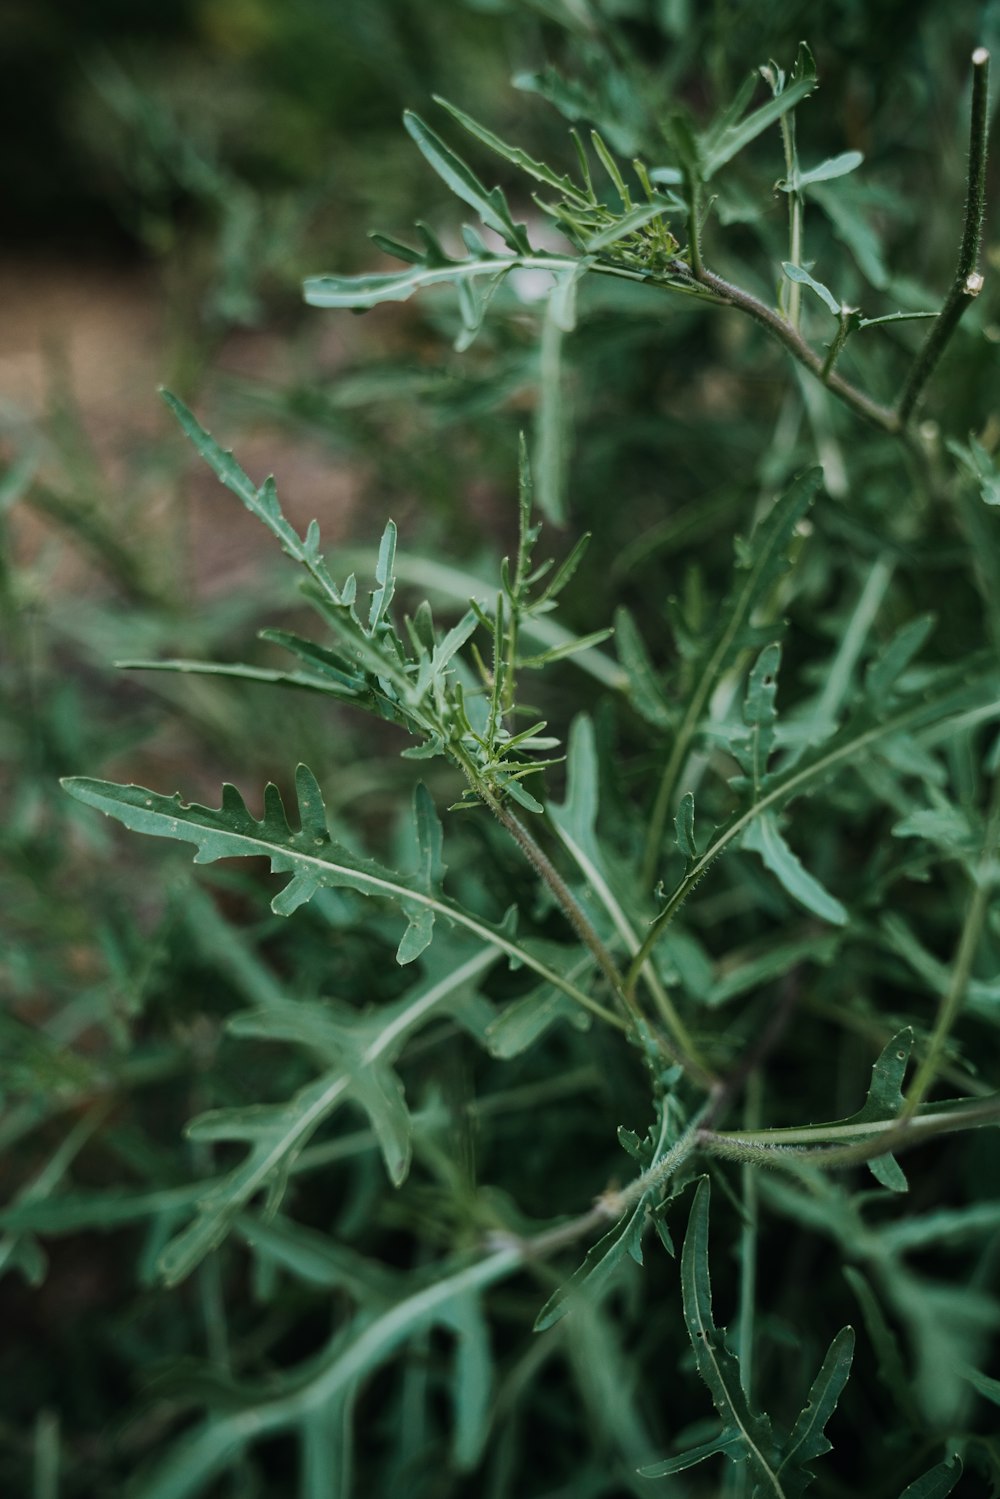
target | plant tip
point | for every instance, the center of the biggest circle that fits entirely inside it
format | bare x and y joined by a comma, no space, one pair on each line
980,57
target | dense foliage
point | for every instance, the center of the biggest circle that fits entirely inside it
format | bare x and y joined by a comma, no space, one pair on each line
485,1159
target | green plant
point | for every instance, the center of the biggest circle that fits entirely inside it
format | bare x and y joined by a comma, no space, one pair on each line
714,920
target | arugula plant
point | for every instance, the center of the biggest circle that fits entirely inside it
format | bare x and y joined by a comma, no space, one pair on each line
742,880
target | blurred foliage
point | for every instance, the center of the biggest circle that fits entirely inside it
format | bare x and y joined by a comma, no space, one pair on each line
241,144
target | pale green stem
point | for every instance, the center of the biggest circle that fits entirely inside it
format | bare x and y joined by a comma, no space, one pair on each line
748,1244
794,302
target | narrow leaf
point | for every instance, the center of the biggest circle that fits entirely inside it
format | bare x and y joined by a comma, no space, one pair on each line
764,838
719,1369
684,827
935,1484
808,1439
491,205
729,1442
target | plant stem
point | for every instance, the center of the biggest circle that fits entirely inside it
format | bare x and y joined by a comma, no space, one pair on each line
773,1147
839,340
748,1245
968,282
574,913
972,930
879,416
794,214
681,1049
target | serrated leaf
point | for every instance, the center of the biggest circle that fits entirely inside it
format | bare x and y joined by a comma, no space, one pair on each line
684,827
427,877
513,154
808,1439
490,204
720,146
764,838
261,502
729,1443
753,744
310,855
644,690
717,1367
599,1266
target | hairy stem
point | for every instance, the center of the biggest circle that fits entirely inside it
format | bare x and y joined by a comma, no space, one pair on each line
968,282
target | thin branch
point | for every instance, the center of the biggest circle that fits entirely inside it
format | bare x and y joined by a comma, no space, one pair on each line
968,283
879,416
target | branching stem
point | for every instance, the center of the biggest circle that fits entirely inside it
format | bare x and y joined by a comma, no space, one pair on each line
968,282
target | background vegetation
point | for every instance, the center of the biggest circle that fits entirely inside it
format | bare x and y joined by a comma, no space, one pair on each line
222,151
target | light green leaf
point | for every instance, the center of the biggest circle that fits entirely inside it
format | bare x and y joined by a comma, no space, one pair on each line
764,838
514,154
834,166
644,690
310,855
853,229
491,205
261,502
796,273
385,577
598,1268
